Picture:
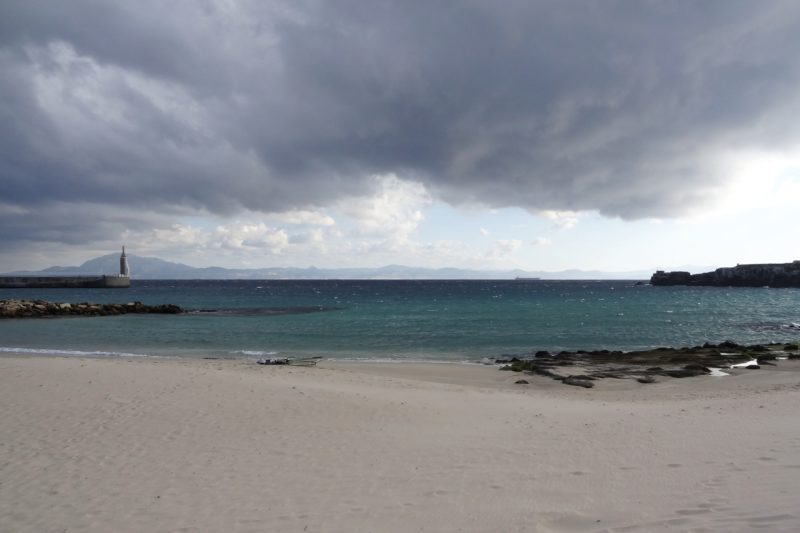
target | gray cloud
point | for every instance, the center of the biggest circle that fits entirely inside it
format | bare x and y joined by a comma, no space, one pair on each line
71,224
619,107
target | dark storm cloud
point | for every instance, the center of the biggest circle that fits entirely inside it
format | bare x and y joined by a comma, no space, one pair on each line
70,224
619,107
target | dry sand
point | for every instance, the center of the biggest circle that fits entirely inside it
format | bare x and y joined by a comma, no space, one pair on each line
189,445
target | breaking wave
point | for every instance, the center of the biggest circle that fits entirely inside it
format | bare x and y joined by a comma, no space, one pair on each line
75,353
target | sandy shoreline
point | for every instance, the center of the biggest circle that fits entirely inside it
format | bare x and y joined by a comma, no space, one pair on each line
193,445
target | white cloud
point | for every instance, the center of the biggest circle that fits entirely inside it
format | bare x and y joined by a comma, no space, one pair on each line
562,220
241,239
541,241
485,232
392,213
255,236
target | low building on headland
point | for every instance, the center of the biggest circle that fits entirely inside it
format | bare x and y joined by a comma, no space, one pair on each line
753,275
101,281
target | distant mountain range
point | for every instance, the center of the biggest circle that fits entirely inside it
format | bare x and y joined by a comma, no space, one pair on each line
154,268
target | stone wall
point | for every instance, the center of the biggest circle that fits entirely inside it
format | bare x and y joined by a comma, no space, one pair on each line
67,282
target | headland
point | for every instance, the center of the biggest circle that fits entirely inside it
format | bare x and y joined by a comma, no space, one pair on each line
753,275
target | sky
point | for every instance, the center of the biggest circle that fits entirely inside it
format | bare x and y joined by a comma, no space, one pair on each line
542,135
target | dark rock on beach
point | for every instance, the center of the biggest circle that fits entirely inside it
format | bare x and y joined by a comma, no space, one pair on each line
581,367
578,382
726,344
686,372
44,309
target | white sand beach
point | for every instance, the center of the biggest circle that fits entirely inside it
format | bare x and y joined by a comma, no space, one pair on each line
132,445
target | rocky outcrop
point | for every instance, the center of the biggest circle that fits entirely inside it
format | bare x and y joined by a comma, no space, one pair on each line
42,309
671,278
756,275
583,368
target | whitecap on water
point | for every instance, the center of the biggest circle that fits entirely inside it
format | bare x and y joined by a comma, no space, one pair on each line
76,353
253,353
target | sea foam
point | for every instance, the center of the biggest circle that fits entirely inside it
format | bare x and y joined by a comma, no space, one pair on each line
76,353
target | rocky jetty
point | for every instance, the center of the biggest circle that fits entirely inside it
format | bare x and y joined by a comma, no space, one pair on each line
582,368
43,309
755,275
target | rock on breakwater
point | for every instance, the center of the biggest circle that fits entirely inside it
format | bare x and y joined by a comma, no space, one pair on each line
42,309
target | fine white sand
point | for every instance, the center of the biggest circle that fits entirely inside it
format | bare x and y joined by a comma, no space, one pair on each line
190,445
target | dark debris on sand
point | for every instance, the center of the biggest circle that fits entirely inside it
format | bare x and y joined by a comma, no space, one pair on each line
581,368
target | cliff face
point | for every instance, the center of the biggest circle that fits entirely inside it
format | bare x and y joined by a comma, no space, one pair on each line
757,275
670,278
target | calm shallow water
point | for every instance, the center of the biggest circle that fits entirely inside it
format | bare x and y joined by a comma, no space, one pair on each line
421,320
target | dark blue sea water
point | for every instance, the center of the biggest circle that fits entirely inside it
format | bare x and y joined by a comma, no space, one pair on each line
405,320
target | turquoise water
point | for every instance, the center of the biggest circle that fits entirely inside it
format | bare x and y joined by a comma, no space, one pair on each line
406,320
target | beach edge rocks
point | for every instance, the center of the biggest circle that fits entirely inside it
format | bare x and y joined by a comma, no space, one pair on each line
583,368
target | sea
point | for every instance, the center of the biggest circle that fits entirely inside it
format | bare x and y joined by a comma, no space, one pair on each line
399,321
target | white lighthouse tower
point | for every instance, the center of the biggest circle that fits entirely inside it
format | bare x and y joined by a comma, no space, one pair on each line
124,269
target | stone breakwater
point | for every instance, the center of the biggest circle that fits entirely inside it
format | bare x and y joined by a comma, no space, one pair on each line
42,309
64,282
